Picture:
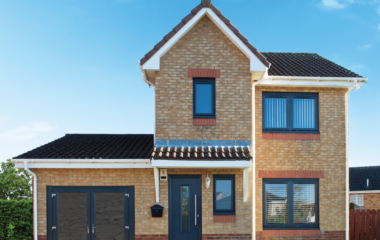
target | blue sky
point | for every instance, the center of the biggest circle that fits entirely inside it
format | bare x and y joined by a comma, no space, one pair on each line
71,66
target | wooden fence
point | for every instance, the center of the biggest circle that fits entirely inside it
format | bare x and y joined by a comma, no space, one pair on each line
364,224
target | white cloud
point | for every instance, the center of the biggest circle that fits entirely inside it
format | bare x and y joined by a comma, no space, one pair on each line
378,10
335,4
378,26
24,133
365,47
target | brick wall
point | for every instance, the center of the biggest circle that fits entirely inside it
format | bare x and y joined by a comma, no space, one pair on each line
371,200
204,47
143,180
326,154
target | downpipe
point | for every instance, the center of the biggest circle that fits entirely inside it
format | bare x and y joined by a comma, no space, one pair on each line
34,198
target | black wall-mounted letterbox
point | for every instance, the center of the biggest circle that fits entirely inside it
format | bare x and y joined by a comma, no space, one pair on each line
157,210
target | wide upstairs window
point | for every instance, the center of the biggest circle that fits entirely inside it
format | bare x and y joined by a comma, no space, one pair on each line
224,195
290,203
290,112
204,98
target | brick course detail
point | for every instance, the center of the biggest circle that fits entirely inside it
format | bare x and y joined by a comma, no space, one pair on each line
286,233
327,155
290,174
224,218
292,136
203,73
205,48
204,121
324,235
42,237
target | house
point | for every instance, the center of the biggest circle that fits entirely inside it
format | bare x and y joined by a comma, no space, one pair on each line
365,187
247,145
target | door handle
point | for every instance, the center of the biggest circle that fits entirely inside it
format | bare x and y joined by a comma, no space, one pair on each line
88,229
195,209
93,229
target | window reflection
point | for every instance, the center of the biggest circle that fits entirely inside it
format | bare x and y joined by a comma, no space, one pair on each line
185,202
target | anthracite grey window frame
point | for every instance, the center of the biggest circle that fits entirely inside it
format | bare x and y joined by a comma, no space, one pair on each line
224,211
289,119
213,101
290,204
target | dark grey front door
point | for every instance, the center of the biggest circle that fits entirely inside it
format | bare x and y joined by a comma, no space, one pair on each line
185,217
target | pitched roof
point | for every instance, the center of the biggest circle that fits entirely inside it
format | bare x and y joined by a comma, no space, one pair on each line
359,176
202,153
304,65
204,4
95,146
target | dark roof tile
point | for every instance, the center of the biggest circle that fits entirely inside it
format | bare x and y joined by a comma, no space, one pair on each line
304,65
95,146
359,176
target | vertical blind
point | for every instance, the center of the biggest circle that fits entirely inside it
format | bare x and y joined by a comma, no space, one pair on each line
275,113
304,203
276,198
303,113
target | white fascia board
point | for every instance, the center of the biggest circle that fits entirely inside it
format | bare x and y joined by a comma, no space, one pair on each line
200,164
344,79
370,191
84,163
305,83
154,62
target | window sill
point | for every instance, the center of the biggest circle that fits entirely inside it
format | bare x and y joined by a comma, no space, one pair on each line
204,122
291,232
224,218
291,136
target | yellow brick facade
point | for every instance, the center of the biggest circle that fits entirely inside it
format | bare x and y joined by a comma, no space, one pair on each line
204,47
143,181
327,154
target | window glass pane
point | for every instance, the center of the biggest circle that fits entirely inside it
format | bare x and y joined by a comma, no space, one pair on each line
304,203
357,199
223,195
276,203
303,113
185,193
275,112
203,103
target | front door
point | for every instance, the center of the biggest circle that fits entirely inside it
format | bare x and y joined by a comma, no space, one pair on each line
185,205
90,213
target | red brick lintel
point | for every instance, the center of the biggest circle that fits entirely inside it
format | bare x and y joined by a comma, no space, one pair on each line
286,233
292,136
224,218
205,73
290,174
204,121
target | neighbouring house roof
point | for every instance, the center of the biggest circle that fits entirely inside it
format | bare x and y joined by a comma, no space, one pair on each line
205,4
202,153
305,65
95,146
359,176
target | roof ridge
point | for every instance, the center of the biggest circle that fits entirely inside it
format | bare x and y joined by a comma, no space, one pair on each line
119,134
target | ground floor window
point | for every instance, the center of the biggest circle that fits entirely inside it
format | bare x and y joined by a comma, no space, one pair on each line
224,195
290,203
357,199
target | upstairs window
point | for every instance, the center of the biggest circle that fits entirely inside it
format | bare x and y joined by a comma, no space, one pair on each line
204,98
290,112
